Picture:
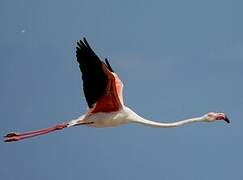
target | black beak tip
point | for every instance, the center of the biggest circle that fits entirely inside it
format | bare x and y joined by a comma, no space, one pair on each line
227,119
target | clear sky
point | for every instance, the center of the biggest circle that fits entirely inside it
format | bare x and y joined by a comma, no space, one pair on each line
177,59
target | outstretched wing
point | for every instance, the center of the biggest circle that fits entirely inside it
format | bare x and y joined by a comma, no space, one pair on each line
99,79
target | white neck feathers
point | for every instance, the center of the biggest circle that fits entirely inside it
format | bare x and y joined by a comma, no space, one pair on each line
168,125
137,119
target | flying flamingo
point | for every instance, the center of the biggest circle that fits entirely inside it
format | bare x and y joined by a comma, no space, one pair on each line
103,92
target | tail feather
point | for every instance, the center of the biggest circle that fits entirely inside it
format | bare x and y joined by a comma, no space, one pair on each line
72,123
76,122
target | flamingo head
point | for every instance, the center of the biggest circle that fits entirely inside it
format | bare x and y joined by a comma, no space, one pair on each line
214,116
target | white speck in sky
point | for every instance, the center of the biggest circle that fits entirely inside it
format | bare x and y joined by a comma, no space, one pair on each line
23,31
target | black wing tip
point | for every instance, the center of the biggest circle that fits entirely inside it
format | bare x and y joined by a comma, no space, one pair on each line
108,65
85,41
81,43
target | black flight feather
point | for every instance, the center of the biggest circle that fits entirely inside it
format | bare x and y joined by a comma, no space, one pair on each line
94,78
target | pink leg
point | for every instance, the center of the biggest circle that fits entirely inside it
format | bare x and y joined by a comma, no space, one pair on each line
19,136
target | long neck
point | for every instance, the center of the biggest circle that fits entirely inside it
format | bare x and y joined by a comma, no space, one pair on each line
140,120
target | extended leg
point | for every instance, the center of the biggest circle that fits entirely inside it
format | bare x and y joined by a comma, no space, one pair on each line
19,136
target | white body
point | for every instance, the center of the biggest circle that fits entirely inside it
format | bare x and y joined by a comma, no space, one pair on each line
124,116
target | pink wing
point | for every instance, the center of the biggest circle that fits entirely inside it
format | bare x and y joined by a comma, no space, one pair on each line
112,100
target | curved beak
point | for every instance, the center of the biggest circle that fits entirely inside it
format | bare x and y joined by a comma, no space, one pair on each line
227,119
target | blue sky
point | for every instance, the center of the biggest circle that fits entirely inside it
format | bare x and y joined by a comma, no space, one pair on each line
177,59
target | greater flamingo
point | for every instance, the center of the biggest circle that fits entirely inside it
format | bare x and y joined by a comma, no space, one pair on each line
103,92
